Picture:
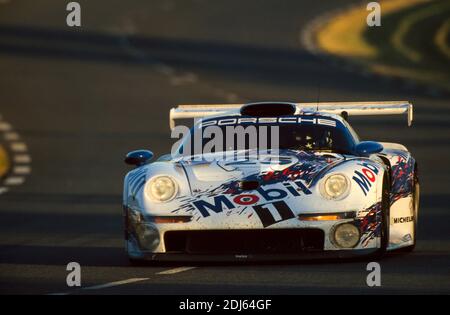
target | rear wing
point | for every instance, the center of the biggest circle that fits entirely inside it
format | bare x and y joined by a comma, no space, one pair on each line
338,108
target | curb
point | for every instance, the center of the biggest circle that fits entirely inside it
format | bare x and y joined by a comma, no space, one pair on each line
5,164
15,160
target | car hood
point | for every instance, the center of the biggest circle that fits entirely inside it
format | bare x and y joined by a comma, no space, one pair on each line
218,173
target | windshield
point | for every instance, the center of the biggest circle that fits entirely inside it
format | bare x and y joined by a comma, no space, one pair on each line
287,132
313,138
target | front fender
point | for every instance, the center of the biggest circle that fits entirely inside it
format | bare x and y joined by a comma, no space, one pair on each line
134,195
366,181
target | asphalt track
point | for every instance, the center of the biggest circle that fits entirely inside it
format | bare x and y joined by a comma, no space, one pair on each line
80,99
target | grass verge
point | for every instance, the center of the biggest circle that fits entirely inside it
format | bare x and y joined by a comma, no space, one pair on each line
412,42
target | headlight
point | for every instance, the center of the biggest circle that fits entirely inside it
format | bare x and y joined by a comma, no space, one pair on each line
161,188
346,235
335,186
147,236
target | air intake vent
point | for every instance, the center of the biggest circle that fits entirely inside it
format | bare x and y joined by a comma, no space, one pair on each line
268,109
249,185
268,241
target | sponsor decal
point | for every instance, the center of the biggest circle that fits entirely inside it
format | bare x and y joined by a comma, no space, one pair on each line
402,176
407,238
369,223
274,185
366,176
403,219
221,202
269,120
272,213
245,200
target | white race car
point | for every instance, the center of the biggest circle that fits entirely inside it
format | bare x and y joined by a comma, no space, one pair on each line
322,193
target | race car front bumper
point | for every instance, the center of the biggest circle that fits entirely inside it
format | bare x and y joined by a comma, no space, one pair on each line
178,240
244,245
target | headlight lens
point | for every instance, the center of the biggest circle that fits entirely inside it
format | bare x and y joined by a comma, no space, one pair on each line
346,235
148,236
161,188
336,186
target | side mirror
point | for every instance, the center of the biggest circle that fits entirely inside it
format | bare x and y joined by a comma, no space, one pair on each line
366,148
138,157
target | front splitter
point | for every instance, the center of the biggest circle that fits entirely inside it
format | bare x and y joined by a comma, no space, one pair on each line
306,256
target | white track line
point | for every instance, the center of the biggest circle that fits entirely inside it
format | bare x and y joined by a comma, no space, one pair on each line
186,78
11,136
175,270
164,69
21,170
102,286
14,180
114,284
22,158
18,147
127,281
4,126
176,78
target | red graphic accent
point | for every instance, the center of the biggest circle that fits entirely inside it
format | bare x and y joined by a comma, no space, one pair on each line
369,174
288,172
245,200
